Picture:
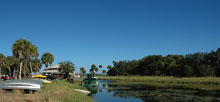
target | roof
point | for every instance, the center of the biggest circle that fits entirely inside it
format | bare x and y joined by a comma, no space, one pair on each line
54,66
53,70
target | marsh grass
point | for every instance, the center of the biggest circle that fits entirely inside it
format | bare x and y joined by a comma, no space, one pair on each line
198,83
164,79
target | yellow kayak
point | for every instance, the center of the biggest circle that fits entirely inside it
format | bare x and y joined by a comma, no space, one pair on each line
39,76
47,82
42,78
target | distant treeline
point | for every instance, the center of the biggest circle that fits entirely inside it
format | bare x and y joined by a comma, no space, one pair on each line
191,65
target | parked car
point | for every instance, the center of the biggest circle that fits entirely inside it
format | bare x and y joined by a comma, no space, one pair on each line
4,77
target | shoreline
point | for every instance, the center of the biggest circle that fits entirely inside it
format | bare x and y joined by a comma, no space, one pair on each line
195,83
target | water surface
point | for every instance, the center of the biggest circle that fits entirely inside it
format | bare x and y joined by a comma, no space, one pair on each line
109,91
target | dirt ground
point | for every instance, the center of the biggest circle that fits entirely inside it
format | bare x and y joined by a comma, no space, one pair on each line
20,96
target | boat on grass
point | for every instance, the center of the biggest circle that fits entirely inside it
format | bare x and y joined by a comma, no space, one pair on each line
24,84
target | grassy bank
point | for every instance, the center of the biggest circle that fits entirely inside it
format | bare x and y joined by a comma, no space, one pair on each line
61,91
199,83
164,79
58,91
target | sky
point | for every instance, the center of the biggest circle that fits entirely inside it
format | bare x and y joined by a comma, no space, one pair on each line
97,32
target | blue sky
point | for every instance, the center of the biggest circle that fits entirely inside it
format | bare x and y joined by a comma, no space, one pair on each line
99,31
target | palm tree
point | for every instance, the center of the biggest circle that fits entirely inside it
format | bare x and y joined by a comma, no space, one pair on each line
2,62
23,50
93,67
109,67
96,69
103,71
84,71
100,66
67,67
81,70
47,58
36,65
34,54
10,62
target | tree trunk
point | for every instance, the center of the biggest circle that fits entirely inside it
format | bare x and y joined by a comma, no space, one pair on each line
0,71
20,70
31,70
9,71
46,70
15,73
46,64
25,67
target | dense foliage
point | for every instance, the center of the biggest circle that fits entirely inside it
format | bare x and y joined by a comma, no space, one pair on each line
197,65
24,60
67,67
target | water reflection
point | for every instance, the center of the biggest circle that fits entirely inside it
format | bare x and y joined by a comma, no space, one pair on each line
130,92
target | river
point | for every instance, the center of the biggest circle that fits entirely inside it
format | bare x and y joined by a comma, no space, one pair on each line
109,91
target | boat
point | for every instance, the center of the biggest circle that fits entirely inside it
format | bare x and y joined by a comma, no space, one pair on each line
25,84
42,78
39,76
90,81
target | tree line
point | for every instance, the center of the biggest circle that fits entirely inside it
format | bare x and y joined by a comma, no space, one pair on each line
93,70
191,65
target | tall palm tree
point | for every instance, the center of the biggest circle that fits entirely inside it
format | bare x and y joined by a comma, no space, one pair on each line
109,67
93,66
103,71
81,70
47,58
2,62
23,50
34,54
100,66
84,71
36,65
96,69
11,64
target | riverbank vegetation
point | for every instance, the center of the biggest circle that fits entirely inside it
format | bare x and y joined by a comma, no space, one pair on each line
191,65
58,91
61,91
200,83
164,79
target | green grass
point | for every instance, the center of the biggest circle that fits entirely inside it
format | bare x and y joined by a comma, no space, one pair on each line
57,91
198,83
61,91
164,79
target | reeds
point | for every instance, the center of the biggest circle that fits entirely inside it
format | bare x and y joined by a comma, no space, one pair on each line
198,83
165,79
